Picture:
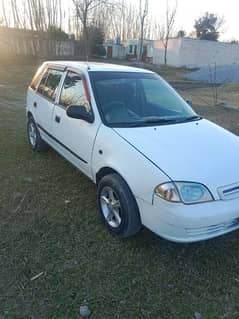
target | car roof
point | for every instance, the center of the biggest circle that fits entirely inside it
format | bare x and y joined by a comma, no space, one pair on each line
96,66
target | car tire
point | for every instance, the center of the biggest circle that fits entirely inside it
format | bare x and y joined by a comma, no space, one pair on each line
34,138
118,207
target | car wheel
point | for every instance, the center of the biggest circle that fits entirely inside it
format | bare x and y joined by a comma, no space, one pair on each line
118,207
34,137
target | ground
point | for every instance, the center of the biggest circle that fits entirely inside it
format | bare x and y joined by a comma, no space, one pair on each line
55,254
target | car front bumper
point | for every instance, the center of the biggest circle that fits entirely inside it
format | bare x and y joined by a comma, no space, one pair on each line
190,223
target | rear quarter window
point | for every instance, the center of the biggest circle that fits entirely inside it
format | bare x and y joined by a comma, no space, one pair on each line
37,77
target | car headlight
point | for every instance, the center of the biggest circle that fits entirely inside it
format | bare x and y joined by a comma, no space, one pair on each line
186,192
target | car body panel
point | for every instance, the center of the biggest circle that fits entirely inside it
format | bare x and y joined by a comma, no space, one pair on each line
112,151
198,151
78,135
41,108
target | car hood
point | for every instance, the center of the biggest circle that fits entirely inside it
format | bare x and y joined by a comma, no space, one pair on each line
194,151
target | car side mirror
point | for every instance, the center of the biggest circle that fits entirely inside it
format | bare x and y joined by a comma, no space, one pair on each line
190,102
79,112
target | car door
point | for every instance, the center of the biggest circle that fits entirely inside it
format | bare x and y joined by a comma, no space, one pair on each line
44,100
75,137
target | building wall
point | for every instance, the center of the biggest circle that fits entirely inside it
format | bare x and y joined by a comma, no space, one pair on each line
136,43
118,50
173,53
196,53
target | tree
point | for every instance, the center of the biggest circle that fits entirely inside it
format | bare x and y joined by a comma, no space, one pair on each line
143,13
234,41
84,9
208,26
5,19
181,34
56,33
167,29
96,40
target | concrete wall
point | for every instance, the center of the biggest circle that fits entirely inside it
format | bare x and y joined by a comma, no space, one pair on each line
148,43
14,42
118,51
174,46
196,53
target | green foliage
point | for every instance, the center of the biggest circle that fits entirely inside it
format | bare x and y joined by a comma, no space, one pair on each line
207,26
96,40
56,33
100,50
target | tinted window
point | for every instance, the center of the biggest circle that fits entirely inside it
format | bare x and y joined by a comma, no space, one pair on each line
73,92
37,77
138,99
49,83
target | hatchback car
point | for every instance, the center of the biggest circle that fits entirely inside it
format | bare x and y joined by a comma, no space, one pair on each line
154,160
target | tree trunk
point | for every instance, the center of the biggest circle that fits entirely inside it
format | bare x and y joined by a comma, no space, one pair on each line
86,40
141,40
165,55
166,51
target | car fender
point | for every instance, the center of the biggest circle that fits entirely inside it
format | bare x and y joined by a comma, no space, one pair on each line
112,151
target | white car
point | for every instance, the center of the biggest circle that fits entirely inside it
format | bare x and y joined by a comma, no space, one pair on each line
154,160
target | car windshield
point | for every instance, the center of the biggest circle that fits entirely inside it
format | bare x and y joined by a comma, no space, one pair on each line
131,99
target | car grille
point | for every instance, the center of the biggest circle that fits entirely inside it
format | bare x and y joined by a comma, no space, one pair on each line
213,229
229,192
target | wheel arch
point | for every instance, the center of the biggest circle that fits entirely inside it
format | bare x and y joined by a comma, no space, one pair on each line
106,171
29,114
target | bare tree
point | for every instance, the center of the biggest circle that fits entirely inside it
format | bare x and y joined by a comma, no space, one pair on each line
15,13
167,29
5,21
143,15
84,9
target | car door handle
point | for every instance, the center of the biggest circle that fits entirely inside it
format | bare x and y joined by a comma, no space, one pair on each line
57,119
35,104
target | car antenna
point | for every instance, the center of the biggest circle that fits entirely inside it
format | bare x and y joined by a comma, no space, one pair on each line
87,62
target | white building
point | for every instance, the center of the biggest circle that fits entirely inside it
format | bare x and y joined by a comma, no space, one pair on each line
133,50
114,50
182,52
192,53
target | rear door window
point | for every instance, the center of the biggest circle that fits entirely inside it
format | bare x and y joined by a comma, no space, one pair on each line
49,83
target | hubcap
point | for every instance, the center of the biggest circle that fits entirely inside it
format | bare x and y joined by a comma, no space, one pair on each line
110,206
32,134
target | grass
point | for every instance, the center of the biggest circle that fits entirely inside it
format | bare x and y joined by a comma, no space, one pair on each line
50,226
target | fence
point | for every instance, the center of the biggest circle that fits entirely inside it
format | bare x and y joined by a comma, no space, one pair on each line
17,43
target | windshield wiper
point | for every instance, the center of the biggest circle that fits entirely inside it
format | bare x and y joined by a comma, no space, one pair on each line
162,121
148,122
152,121
192,118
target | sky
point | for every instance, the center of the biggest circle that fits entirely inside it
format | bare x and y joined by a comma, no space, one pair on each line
189,10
